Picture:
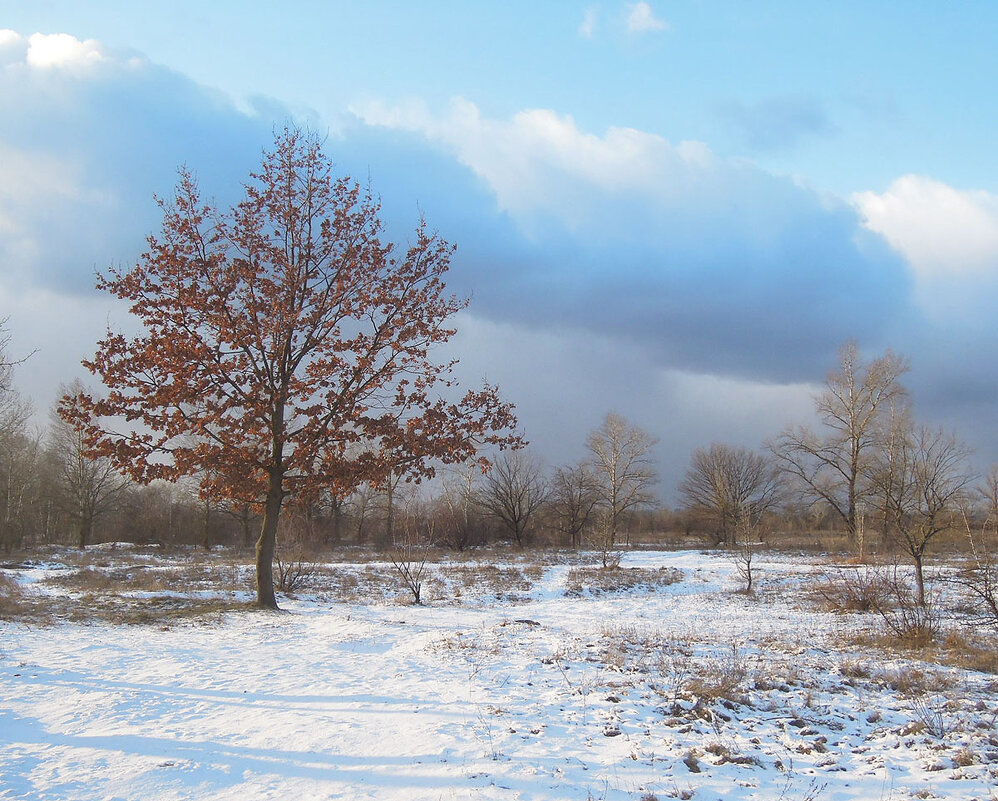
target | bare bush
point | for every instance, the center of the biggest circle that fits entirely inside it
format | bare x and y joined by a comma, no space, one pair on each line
294,567
721,679
409,561
910,618
294,571
979,578
408,555
860,589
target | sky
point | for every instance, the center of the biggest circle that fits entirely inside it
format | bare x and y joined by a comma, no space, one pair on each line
678,211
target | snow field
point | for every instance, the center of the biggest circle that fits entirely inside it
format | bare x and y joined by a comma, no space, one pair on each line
674,689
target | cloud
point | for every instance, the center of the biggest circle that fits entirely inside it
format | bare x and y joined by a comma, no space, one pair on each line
87,136
941,231
641,19
613,269
707,263
62,51
540,369
529,159
949,237
587,28
777,123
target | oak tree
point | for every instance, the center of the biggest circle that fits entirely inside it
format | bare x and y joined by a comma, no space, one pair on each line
286,348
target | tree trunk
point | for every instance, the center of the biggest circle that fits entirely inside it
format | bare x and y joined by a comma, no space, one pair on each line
85,532
267,544
206,531
390,517
919,580
244,518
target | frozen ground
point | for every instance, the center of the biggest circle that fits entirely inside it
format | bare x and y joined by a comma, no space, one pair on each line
664,690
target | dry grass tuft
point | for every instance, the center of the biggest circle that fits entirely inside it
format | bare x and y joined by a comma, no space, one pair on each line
160,610
19,604
12,598
596,581
505,582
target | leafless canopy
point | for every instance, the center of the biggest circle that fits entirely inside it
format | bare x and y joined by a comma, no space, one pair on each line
833,466
732,485
621,459
90,486
923,477
574,494
513,491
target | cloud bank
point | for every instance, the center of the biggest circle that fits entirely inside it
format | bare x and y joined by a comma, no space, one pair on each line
709,265
701,297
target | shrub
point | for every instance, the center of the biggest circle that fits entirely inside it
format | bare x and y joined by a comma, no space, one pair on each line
861,589
11,598
294,570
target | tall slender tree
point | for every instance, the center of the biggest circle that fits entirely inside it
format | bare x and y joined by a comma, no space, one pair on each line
834,466
89,485
621,460
286,348
923,476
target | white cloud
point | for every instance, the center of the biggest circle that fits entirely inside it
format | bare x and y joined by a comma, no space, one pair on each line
60,50
9,38
642,19
587,28
535,160
941,231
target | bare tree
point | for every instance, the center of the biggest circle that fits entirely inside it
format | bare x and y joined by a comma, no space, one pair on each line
574,494
512,492
91,486
923,478
7,365
21,463
987,491
456,513
833,466
621,459
732,486
361,503
19,451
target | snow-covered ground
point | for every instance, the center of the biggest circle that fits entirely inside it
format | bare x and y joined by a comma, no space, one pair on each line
669,689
